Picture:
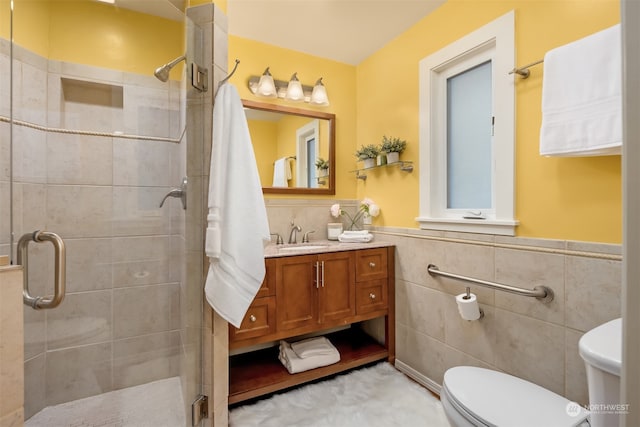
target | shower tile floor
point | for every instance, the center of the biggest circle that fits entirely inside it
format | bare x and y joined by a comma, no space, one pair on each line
155,404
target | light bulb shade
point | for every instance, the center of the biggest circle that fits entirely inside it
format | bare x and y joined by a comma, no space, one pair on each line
294,89
319,94
266,85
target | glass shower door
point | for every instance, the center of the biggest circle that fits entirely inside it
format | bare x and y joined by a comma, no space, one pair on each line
97,142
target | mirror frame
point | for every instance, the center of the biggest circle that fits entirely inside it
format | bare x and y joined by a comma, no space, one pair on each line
331,189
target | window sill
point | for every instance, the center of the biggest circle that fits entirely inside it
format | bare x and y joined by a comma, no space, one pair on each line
483,226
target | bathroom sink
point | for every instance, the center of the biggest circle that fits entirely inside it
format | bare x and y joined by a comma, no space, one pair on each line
302,248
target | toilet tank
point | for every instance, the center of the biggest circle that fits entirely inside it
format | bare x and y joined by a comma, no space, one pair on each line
601,350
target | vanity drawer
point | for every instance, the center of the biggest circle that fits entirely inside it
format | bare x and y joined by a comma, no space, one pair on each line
268,287
260,320
371,264
371,296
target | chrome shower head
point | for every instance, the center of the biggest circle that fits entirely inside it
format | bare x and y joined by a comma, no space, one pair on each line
162,73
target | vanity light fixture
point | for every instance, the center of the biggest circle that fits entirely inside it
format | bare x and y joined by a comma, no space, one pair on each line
266,86
292,90
319,94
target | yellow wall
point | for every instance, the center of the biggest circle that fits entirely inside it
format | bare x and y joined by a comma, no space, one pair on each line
31,20
563,198
93,33
339,78
264,138
5,19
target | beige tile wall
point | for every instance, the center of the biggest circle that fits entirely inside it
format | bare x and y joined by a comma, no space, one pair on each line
11,350
309,214
518,335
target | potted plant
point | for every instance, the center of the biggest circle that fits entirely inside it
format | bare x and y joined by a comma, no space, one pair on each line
368,154
393,147
322,166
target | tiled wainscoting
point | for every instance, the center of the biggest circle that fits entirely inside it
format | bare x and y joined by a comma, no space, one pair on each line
518,335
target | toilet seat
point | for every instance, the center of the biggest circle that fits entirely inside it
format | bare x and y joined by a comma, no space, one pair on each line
491,398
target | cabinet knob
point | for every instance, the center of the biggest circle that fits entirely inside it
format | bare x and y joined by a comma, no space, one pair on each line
372,264
252,318
372,296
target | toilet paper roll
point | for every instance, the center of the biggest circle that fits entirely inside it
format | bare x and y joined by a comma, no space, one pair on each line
468,307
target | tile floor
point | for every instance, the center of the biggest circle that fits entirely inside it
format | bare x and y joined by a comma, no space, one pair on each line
155,404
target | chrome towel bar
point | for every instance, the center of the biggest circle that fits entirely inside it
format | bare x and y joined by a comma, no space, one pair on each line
38,236
543,293
524,70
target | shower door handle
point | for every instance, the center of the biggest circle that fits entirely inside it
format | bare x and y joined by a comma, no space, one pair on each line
38,236
179,193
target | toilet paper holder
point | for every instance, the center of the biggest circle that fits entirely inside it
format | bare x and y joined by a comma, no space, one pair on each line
543,293
468,296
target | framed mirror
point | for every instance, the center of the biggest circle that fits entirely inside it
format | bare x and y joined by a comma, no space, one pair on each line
288,143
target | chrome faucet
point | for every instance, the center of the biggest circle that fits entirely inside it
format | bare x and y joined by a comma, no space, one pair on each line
305,237
293,236
180,193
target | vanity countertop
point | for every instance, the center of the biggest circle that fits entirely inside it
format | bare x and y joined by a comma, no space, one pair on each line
318,247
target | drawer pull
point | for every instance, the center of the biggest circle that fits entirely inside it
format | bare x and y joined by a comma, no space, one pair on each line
372,264
252,318
372,296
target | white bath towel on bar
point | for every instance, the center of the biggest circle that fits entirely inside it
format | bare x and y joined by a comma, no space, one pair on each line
281,172
237,221
582,97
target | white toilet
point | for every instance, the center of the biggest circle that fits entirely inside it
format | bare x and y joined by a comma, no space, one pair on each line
601,349
474,396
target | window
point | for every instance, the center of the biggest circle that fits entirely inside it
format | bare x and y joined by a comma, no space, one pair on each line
307,152
467,133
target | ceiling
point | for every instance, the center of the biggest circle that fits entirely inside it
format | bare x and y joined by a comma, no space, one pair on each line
346,31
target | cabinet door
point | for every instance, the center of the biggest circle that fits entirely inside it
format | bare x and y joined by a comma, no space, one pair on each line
337,293
296,292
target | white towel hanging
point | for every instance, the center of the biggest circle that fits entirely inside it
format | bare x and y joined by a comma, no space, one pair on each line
582,97
237,221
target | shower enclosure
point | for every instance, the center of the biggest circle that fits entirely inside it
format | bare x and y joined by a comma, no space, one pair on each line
90,144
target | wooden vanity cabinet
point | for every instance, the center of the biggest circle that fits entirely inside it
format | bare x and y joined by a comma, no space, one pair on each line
315,290
304,294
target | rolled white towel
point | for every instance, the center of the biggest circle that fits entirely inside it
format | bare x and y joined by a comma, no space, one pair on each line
318,346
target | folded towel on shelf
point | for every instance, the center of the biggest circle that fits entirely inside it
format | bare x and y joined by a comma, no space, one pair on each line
295,364
319,346
582,97
355,238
